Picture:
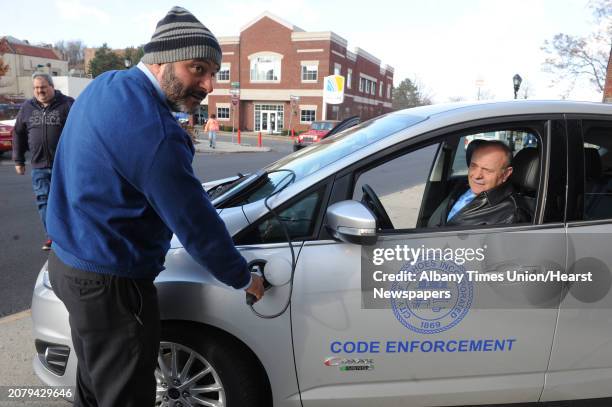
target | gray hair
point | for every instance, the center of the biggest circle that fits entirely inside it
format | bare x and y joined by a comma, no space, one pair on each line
43,75
479,143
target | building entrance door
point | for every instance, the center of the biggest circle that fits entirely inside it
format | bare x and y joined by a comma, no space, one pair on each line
269,121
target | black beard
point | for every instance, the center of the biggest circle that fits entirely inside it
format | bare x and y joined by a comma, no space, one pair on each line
176,93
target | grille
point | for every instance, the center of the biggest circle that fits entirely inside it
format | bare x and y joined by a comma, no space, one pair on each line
54,357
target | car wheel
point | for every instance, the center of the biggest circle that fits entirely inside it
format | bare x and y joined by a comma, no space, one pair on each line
198,367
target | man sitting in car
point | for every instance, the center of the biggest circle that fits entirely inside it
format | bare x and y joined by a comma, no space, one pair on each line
489,198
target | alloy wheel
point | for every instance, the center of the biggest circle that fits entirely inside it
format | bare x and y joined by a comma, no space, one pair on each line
185,378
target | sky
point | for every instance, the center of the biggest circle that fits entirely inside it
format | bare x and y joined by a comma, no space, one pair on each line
451,48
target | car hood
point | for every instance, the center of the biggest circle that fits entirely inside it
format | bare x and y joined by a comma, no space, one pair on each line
8,122
315,133
234,219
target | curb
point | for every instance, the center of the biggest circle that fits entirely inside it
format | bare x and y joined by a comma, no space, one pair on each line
224,147
253,134
15,317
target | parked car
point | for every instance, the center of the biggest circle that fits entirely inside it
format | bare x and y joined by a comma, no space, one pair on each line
322,129
6,135
316,341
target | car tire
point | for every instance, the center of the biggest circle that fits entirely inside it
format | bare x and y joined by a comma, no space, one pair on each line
230,371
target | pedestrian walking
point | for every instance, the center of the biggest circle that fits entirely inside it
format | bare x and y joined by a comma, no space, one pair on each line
212,127
123,182
38,127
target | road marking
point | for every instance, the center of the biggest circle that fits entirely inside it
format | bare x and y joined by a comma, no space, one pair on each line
16,317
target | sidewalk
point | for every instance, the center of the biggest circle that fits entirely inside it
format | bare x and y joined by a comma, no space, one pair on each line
227,147
16,353
245,133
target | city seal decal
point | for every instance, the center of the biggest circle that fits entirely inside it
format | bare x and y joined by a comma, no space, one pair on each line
433,316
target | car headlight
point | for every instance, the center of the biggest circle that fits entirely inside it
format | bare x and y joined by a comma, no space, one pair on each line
45,279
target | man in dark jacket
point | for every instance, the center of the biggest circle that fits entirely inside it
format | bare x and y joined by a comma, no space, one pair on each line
490,198
38,127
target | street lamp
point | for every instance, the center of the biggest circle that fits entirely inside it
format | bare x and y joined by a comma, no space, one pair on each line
517,83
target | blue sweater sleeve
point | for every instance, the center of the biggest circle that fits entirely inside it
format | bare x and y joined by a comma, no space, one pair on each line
179,199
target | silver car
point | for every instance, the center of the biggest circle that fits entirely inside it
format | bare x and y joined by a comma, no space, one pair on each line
311,222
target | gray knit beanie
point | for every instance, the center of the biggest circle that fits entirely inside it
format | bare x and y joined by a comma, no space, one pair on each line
180,36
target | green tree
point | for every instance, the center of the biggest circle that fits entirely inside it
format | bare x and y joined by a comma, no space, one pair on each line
408,95
134,54
105,60
572,57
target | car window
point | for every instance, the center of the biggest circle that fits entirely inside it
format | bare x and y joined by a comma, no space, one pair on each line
515,139
400,185
8,111
418,189
299,219
322,125
597,149
331,149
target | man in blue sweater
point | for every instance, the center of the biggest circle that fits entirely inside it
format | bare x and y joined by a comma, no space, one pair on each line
122,183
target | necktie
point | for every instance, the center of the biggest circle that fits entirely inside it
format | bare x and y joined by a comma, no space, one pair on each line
463,200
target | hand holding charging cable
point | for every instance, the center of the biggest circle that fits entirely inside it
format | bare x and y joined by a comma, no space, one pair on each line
255,291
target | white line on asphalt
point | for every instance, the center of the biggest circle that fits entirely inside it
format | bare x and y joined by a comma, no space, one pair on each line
16,317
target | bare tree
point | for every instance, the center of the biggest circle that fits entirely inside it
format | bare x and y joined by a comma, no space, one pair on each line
485,94
572,58
527,89
453,99
73,51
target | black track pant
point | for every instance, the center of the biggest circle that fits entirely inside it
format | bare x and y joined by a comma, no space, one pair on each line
115,332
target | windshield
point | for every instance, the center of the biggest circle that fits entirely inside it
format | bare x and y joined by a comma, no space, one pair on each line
307,161
8,111
331,149
322,125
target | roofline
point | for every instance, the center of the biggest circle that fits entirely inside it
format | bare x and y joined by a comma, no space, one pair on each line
319,36
271,16
229,40
363,53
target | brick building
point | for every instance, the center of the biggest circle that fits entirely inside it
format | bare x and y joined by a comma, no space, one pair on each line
607,95
273,62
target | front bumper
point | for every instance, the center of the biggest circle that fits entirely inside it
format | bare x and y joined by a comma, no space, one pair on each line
55,361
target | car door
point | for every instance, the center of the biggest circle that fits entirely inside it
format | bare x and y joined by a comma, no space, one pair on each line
494,347
581,360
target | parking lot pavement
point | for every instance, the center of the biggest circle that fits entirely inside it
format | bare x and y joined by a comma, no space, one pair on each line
16,353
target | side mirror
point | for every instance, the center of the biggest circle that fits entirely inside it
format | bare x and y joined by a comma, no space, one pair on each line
351,222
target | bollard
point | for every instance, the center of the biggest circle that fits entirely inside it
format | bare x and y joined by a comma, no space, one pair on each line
239,136
259,143
292,134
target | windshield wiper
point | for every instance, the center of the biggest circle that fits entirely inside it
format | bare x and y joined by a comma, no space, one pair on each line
222,188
